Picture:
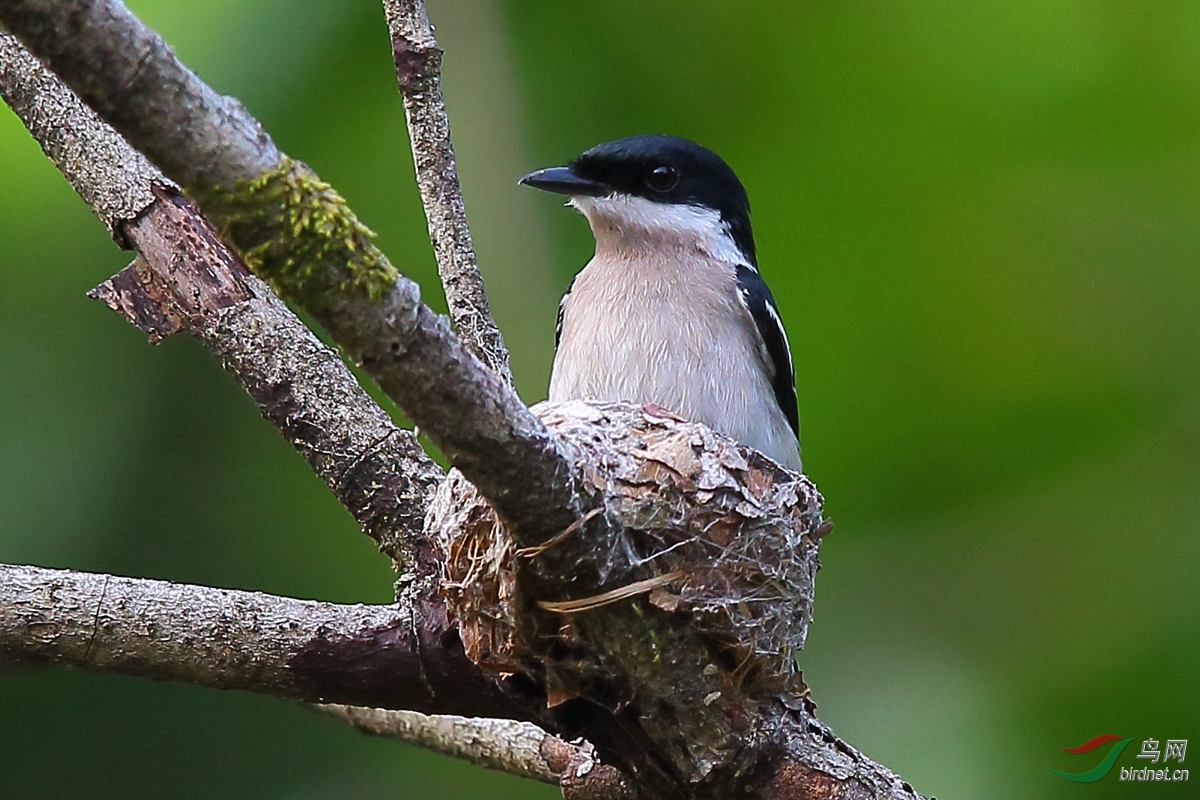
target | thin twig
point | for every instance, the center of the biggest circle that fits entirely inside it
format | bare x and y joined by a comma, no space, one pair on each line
517,748
611,596
418,61
533,552
500,744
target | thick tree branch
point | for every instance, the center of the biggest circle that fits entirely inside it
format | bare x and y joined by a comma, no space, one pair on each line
467,410
204,138
189,279
184,272
418,62
395,656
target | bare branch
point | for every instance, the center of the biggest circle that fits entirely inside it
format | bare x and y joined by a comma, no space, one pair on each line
204,137
188,279
377,471
816,763
500,744
112,178
396,656
467,410
518,748
418,62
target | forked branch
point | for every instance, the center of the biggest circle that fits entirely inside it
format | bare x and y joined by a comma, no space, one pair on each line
188,279
280,216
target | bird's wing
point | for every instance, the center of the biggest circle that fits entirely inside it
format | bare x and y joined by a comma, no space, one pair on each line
753,291
562,310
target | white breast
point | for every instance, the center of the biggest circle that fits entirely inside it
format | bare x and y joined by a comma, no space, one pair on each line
659,321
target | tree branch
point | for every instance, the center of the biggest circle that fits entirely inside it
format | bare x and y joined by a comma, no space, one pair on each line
203,138
418,61
499,744
396,656
188,279
518,748
468,411
185,279
184,272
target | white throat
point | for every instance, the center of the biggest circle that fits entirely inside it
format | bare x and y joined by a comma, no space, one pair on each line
626,227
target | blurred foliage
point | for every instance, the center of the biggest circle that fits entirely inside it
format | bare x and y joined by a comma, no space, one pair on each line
981,224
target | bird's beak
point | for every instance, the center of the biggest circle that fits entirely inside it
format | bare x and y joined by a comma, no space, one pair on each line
564,180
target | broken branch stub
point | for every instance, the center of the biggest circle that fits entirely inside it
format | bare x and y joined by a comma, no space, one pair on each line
679,604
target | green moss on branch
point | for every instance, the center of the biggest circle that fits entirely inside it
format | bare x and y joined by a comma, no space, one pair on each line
299,235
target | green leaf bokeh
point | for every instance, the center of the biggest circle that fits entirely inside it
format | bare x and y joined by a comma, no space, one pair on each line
982,225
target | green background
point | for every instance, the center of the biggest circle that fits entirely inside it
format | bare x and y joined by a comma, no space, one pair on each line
981,224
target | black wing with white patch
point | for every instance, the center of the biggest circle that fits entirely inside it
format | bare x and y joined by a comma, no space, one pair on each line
562,310
761,305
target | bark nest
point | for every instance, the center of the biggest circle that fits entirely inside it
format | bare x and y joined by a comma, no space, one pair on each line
678,600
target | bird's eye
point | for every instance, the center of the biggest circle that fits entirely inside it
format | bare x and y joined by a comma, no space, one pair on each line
662,178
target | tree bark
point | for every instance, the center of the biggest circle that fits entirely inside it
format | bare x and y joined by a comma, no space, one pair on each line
396,656
189,280
418,61
468,411
124,71
518,748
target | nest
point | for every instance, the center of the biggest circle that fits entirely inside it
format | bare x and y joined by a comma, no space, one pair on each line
689,583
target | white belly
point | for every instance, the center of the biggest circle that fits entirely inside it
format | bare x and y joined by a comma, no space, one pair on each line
627,337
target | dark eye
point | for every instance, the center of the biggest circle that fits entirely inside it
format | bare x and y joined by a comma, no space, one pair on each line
663,178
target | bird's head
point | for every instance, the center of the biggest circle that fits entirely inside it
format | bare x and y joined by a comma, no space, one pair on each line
656,191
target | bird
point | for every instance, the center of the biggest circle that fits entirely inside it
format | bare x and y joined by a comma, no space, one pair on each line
671,310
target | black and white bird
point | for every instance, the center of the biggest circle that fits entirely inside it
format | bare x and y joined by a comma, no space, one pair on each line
671,310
